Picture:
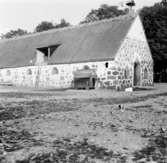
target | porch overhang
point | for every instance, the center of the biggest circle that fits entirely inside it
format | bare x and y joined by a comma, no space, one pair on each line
84,74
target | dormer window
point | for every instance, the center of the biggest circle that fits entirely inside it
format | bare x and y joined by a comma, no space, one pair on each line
49,50
45,53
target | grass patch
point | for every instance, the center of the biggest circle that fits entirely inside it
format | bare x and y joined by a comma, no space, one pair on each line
143,106
14,140
24,109
66,151
155,150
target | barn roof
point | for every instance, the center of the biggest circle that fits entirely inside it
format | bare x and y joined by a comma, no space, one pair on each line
90,42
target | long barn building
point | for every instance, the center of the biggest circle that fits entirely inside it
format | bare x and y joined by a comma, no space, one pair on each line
111,53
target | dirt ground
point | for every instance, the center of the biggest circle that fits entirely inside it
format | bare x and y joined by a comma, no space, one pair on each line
83,126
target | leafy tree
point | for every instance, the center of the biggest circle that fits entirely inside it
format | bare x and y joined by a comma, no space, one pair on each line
104,12
164,3
44,26
62,24
155,23
14,33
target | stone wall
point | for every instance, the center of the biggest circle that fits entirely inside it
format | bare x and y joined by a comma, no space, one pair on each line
111,74
56,76
118,73
134,48
134,51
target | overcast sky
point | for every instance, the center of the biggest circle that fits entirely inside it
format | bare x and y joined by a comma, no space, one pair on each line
26,14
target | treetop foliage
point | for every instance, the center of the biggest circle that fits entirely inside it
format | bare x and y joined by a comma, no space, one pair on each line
14,33
155,24
45,25
104,12
62,24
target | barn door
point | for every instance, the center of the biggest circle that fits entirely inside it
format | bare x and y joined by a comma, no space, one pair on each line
136,74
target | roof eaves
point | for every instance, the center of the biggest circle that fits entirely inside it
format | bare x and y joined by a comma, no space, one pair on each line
60,63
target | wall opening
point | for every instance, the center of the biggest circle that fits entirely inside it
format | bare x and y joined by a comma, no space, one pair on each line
137,72
55,71
85,79
145,73
29,72
48,50
86,67
106,64
43,54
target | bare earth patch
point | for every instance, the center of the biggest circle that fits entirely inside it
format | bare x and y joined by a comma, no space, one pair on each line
84,126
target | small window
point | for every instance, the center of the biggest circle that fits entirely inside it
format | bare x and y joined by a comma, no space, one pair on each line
145,73
8,73
29,72
55,71
86,67
106,64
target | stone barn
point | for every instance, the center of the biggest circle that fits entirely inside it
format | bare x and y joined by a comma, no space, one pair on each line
111,53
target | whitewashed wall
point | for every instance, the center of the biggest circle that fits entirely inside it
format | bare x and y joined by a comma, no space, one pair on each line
46,76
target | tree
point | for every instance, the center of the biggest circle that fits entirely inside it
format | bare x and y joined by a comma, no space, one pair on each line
62,24
104,12
14,33
155,24
44,26
164,3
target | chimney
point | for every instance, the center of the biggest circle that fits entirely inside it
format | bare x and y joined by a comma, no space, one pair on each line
131,5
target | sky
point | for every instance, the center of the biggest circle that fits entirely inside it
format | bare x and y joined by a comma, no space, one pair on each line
27,14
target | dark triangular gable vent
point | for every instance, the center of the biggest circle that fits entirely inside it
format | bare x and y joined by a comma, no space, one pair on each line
48,50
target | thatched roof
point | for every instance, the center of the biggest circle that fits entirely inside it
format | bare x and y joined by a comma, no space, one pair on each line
90,42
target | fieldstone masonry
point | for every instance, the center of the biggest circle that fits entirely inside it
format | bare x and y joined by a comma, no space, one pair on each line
116,73
134,51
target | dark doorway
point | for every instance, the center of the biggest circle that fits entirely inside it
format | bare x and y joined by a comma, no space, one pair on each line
136,74
93,82
84,83
85,79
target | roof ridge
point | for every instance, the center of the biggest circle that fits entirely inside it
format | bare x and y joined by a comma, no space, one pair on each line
121,17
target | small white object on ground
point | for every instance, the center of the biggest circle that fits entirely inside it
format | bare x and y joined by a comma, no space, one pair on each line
129,89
